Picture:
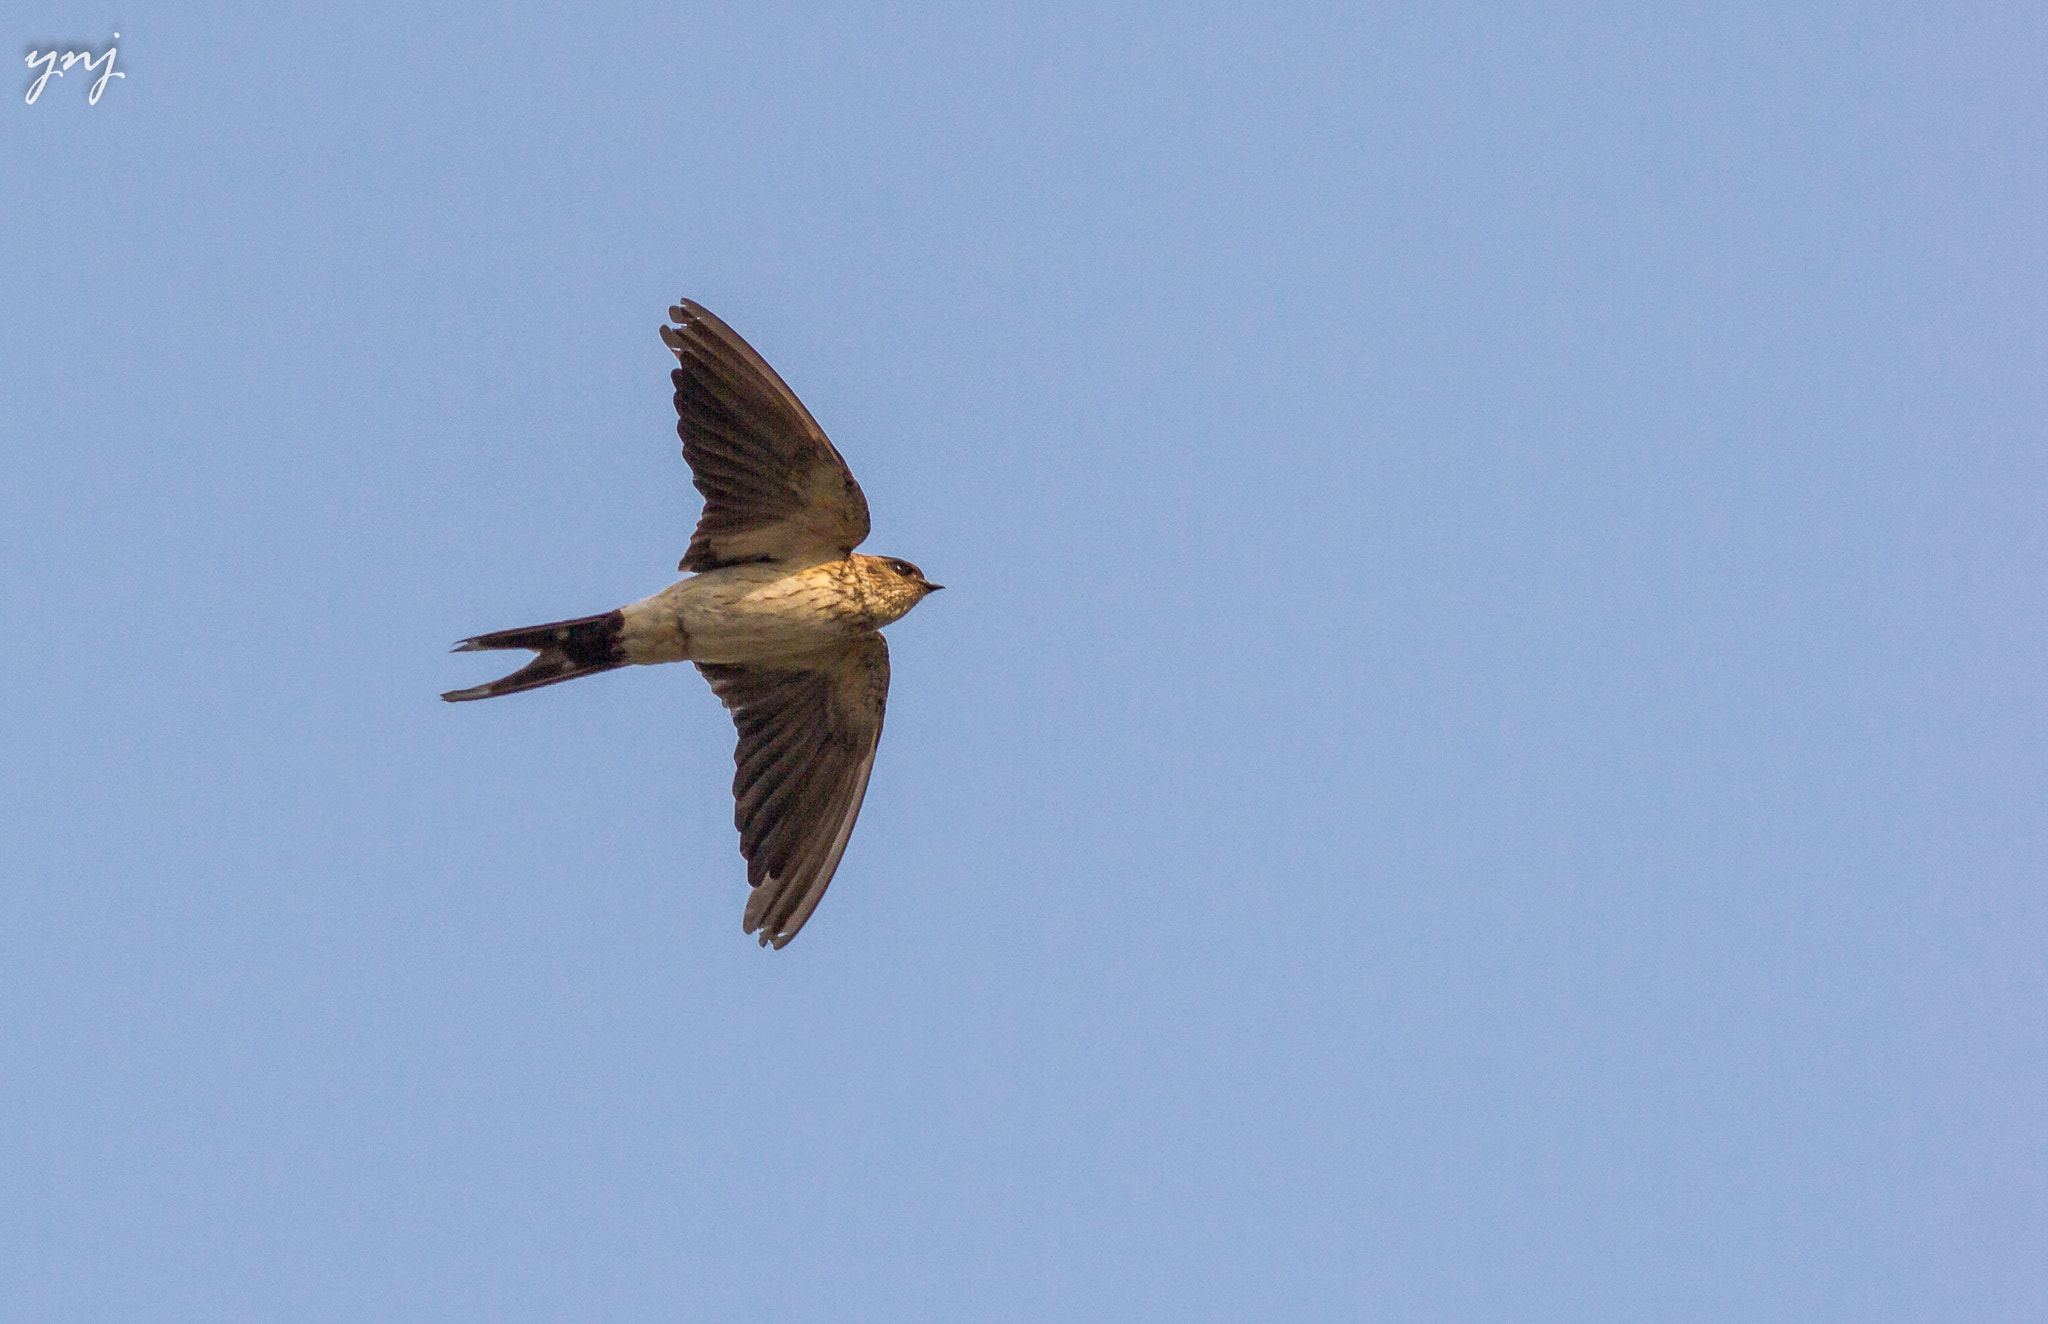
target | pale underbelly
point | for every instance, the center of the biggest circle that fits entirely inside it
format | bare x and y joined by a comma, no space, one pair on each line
759,636
742,614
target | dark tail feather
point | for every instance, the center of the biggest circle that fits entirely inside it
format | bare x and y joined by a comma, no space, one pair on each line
567,649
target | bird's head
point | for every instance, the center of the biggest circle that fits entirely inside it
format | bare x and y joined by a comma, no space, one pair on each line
910,574
898,583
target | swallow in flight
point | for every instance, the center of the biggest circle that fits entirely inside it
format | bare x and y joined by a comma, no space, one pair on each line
780,614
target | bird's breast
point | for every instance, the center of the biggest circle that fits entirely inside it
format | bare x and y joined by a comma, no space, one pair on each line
747,613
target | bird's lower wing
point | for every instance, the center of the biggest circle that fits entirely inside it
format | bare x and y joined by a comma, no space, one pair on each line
808,729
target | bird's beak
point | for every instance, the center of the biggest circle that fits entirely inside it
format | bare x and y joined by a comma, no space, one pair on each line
930,587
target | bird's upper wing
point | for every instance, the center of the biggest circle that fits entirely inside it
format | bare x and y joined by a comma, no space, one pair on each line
774,487
808,728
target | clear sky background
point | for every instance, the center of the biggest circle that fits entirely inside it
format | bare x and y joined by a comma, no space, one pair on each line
1483,756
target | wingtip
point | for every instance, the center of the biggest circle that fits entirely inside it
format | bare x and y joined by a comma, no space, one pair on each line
766,935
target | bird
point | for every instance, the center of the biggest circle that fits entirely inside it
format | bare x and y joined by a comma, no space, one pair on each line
779,613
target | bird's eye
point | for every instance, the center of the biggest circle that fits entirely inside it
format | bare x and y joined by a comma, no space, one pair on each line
905,569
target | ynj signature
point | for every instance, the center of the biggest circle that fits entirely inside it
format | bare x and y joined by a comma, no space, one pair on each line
48,60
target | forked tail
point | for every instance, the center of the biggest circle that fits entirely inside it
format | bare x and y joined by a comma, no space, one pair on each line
567,649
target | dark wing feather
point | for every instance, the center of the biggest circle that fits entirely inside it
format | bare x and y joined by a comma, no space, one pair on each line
808,728
774,487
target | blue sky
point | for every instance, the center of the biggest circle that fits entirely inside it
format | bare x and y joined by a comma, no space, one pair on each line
1483,757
